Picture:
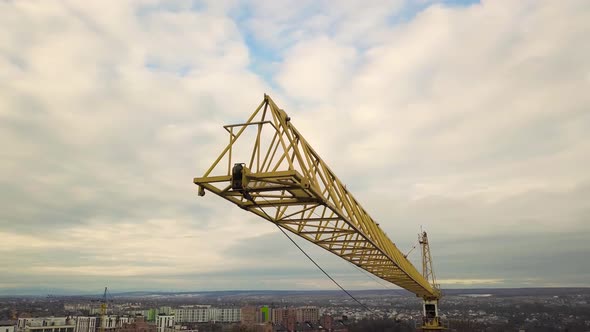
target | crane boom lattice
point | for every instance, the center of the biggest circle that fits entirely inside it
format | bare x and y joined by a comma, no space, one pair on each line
268,165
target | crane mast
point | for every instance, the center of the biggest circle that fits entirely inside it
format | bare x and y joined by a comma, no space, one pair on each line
430,317
269,169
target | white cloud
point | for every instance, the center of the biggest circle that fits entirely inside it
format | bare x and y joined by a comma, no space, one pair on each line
469,120
316,69
280,24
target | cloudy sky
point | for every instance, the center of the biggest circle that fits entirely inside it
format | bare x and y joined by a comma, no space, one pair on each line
468,118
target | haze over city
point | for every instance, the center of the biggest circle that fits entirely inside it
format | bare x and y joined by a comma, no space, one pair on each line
467,118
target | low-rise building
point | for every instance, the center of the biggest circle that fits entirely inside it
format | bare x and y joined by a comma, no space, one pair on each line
46,324
7,326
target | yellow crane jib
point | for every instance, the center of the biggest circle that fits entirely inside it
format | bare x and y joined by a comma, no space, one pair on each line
269,169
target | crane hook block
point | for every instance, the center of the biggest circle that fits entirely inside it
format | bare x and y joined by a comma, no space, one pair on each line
238,178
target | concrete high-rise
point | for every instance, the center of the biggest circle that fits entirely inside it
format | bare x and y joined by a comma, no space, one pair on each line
283,315
164,321
204,314
248,315
308,314
86,324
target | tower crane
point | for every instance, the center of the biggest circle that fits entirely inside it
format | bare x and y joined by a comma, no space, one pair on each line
269,169
103,310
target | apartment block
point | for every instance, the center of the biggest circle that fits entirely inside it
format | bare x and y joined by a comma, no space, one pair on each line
46,324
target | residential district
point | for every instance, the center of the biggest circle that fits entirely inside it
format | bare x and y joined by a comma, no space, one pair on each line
495,310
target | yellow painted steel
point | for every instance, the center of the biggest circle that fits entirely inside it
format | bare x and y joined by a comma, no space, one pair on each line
103,311
284,176
427,269
431,320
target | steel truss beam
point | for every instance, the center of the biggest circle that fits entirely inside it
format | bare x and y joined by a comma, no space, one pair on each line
300,193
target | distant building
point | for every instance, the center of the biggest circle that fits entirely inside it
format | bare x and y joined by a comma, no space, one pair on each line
7,326
78,307
287,317
204,314
200,314
141,312
94,311
164,321
166,310
86,324
140,325
263,315
225,315
308,314
151,316
248,315
46,324
112,322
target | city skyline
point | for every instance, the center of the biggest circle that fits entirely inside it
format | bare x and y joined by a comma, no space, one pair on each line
498,310
466,118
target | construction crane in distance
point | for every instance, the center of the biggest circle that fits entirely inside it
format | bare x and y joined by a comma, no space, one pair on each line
103,310
269,169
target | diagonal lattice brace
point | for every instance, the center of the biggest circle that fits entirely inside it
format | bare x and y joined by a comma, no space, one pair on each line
284,176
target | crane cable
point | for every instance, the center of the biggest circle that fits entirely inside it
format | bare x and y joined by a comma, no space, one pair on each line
368,274
249,197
